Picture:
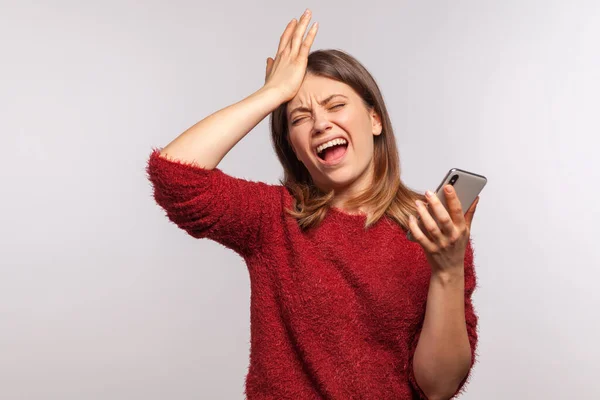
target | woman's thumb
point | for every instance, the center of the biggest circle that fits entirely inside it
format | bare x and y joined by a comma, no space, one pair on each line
269,65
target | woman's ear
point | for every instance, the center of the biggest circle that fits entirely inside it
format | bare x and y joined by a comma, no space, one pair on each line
376,122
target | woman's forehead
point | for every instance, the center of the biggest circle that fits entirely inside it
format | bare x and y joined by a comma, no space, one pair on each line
319,87
320,92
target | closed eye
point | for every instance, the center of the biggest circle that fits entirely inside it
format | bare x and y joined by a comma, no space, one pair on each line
336,106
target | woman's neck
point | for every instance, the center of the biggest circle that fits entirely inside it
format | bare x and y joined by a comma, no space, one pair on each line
342,197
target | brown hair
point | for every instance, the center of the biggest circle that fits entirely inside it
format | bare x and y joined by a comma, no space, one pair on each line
387,194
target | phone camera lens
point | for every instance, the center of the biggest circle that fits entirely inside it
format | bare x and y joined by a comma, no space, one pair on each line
453,179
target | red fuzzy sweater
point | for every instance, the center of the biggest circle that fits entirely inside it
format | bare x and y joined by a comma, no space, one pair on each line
336,311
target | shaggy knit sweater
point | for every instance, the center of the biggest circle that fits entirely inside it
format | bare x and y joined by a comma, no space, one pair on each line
336,310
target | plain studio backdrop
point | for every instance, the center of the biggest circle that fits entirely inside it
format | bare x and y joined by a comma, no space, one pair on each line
101,297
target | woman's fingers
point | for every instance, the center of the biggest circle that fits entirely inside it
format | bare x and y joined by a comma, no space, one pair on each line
431,226
310,38
285,36
300,31
288,68
292,37
419,233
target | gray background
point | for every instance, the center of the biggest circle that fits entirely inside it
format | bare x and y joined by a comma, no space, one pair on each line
102,298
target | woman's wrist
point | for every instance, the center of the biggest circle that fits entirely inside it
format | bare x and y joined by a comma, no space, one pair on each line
449,276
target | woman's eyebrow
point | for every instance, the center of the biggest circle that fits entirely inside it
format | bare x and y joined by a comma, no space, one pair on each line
302,108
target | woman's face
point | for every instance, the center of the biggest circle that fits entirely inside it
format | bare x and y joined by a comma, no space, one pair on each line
323,110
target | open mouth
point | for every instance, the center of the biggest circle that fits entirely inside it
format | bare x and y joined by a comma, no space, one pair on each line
333,151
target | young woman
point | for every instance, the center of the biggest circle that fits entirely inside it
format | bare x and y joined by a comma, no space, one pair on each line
343,305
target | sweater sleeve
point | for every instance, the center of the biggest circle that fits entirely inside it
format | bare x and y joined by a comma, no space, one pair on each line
207,203
471,320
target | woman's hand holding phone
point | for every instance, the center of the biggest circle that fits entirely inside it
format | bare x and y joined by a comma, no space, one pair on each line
445,234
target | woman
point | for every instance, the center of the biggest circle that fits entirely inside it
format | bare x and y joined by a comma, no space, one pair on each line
343,305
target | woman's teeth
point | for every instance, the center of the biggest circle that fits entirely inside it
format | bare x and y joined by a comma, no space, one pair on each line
331,143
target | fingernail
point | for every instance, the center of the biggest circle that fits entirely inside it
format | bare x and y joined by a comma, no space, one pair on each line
448,189
428,193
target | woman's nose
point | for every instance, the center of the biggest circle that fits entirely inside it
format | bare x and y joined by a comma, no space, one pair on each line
322,123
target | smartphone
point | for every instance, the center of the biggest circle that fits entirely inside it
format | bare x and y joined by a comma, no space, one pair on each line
467,186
